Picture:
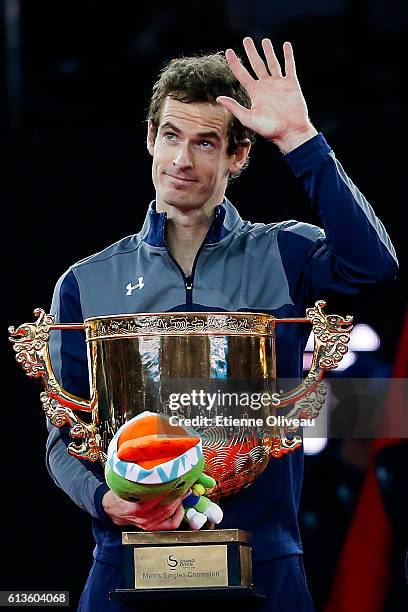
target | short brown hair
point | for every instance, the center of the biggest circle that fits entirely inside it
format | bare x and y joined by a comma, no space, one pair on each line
201,79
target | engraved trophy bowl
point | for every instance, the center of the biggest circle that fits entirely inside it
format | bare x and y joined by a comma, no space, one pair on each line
161,362
142,362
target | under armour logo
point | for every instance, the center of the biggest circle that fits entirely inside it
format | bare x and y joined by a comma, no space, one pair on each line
130,287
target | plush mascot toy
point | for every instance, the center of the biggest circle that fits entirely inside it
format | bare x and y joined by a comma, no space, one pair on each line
148,458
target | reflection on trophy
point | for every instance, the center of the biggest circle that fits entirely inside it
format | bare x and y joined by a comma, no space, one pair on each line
163,419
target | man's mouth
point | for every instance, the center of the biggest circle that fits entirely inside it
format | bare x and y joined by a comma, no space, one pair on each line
180,178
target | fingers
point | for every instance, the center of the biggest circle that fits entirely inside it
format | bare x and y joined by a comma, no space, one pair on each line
172,523
240,112
255,60
272,60
162,522
164,512
238,69
156,515
146,507
290,68
258,64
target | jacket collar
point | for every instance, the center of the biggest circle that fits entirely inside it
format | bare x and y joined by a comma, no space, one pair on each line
226,217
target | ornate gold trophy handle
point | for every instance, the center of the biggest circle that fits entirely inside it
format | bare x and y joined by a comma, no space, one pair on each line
331,336
30,343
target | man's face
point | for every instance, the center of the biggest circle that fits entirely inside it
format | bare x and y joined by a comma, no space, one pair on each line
190,161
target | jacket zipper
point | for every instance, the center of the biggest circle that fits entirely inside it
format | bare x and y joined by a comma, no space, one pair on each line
187,280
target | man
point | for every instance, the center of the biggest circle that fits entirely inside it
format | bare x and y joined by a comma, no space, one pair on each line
195,253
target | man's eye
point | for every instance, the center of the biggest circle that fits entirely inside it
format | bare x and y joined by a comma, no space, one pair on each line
206,144
170,136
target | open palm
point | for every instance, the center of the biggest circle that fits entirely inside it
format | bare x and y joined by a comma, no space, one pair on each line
277,103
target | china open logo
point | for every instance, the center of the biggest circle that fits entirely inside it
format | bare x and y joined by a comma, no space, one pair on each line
172,562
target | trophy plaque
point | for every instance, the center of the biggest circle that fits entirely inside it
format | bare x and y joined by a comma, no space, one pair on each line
211,563
139,362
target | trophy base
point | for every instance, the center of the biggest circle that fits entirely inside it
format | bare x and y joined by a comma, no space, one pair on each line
156,595
206,563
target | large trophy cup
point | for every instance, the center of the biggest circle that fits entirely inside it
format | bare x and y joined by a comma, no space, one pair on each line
137,363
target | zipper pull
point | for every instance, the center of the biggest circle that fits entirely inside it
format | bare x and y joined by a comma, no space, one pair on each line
189,283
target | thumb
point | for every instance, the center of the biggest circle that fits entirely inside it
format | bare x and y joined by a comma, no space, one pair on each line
240,112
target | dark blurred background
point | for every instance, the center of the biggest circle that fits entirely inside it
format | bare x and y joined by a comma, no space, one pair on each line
75,81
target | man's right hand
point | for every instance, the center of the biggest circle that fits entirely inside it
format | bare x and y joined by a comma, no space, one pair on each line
149,515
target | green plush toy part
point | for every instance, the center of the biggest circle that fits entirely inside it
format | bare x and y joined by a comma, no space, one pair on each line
148,457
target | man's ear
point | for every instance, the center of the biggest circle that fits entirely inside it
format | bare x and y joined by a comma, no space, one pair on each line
238,159
151,136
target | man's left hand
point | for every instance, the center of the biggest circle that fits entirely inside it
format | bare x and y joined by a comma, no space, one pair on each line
278,110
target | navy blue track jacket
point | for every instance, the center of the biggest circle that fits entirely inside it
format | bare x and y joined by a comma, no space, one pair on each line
278,268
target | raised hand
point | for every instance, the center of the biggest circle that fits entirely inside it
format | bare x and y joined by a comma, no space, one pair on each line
278,109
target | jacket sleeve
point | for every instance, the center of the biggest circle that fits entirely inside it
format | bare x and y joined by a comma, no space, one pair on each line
82,480
354,250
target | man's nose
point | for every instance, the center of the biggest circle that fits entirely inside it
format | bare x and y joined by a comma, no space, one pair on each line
183,158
